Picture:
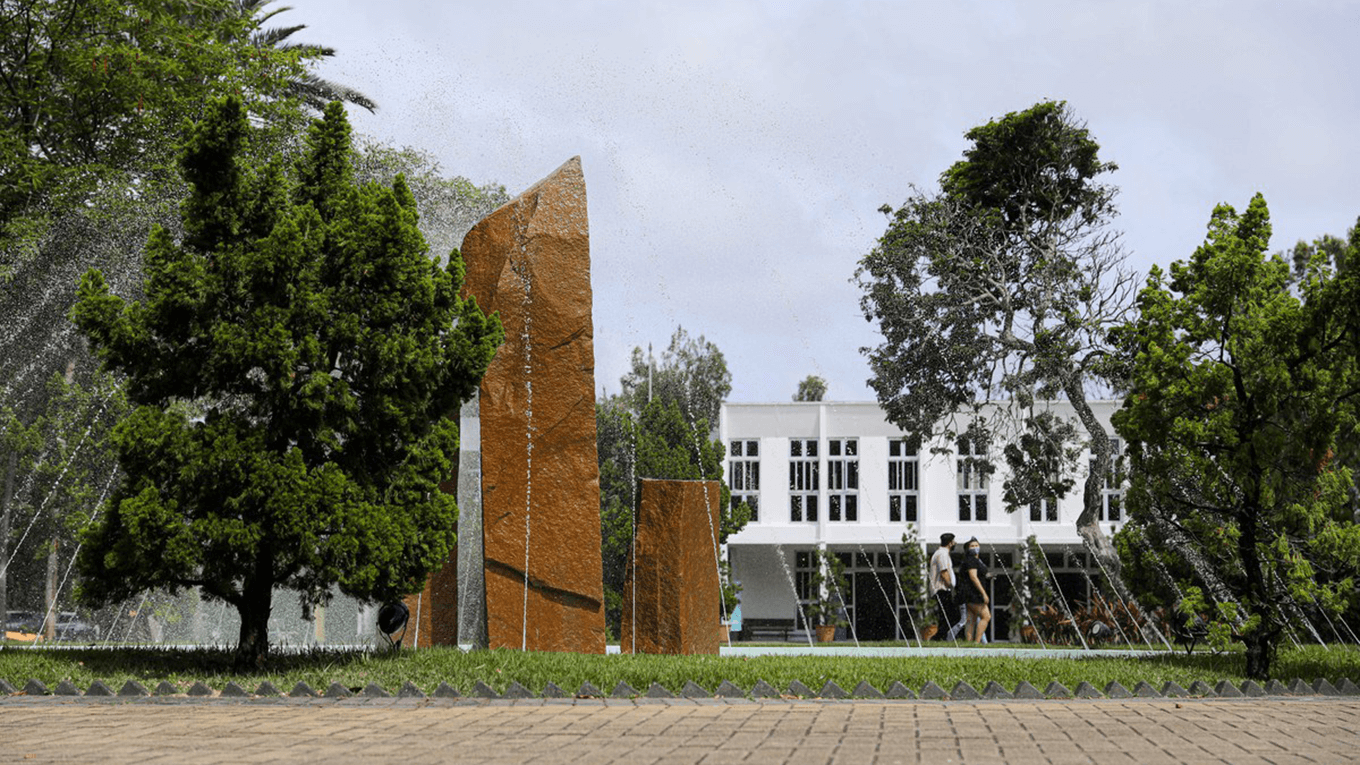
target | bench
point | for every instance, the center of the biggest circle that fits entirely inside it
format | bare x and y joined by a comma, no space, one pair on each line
768,630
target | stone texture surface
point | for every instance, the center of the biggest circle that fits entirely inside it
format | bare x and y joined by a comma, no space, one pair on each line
677,609
529,261
434,611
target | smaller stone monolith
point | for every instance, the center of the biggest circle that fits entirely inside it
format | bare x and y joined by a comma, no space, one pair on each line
675,606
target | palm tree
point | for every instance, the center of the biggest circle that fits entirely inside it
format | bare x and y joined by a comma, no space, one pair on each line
315,92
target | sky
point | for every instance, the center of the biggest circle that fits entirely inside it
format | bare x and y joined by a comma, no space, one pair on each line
736,153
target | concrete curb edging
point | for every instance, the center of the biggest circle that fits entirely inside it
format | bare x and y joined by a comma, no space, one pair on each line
694,692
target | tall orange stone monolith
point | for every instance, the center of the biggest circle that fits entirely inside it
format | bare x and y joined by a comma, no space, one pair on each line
674,606
529,261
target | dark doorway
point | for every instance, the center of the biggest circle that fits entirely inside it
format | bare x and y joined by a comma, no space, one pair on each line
873,612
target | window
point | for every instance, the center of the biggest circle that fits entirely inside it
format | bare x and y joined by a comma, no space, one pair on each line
802,574
1044,510
1112,491
842,480
903,484
972,480
804,480
743,475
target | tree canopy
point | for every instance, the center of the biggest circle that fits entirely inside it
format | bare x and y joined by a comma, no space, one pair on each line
811,388
1002,287
691,372
296,369
1243,386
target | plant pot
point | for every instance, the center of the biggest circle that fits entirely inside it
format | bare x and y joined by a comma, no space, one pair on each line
724,634
825,633
928,631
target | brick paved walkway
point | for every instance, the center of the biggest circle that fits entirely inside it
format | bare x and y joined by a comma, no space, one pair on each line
1278,731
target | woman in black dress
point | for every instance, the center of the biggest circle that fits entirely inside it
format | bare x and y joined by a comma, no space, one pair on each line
974,576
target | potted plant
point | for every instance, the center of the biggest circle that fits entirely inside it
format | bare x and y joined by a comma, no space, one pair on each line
911,576
826,610
730,589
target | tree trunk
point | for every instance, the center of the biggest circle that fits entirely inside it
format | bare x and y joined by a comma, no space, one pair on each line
6,500
254,607
50,595
1260,654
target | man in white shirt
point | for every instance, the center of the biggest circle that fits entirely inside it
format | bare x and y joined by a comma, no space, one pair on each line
941,581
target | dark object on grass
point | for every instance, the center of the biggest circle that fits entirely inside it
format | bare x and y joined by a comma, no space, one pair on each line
1189,630
391,618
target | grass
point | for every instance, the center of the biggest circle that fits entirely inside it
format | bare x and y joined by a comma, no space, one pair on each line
429,667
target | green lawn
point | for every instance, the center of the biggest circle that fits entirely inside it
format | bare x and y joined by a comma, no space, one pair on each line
428,667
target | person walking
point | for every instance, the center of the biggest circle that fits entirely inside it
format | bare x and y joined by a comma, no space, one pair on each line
974,576
941,583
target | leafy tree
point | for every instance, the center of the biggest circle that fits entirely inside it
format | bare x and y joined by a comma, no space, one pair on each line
94,89
1241,389
296,369
60,468
692,372
812,388
1003,285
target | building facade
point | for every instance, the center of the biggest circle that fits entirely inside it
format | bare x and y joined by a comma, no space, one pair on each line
840,477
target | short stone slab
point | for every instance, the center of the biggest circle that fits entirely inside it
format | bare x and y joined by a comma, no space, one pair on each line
1325,688
165,688
268,690
1114,690
899,691
866,691
375,691
1057,690
302,691
446,691
1023,690
66,688
133,688
1348,688
658,691
796,688
234,691
199,689
964,692
481,690
1253,689
832,691
623,691
1227,690
693,690
35,688
554,691
1299,688
1145,691
1085,690
410,690
6,689
337,691
1276,688
763,690
1172,690
729,690
932,692
98,688
1200,689
589,691
995,690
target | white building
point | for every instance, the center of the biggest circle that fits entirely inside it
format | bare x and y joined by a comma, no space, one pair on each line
839,476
